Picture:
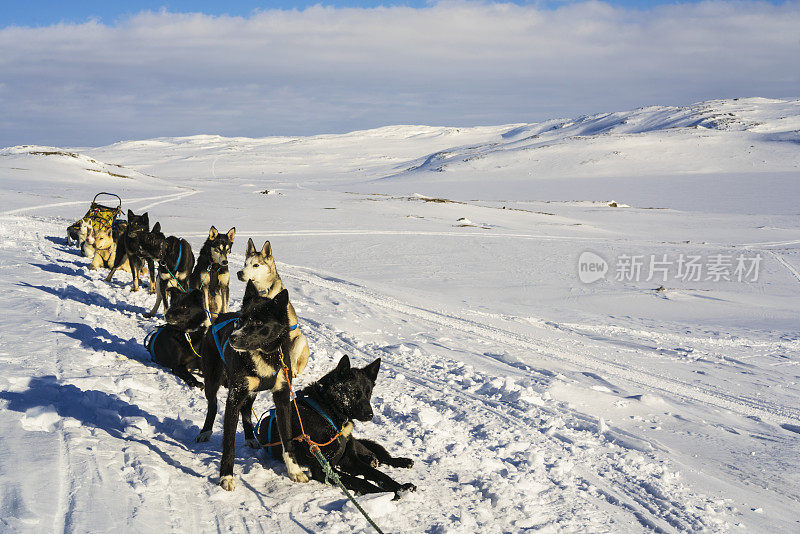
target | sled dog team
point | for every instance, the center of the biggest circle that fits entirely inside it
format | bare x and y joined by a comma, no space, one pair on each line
258,348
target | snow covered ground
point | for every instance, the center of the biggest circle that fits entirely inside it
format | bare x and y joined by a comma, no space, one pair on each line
529,399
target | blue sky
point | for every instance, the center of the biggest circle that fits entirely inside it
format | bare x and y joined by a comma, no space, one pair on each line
329,70
47,12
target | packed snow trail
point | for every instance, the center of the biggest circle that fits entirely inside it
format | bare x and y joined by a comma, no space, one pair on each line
114,432
645,379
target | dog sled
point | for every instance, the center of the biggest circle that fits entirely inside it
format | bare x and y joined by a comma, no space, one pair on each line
101,215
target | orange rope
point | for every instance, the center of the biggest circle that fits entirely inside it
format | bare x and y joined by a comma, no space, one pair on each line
303,436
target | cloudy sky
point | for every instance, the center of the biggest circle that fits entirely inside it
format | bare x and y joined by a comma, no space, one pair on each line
99,73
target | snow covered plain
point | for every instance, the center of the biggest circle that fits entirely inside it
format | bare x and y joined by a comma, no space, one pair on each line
530,400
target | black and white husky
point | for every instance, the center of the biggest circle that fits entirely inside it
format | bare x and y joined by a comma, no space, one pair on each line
128,248
248,348
210,275
175,262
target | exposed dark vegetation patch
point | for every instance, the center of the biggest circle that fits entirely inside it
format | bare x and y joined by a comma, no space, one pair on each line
52,153
115,175
69,154
527,211
436,200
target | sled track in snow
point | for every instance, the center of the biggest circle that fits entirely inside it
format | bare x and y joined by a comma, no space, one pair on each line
747,407
611,485
162,199
651,511
785,263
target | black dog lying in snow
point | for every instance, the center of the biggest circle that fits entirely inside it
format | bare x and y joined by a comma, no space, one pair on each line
327,408
169,346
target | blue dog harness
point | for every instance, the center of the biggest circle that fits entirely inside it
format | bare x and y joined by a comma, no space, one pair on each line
177,265
215,334
180,251
222,346
308,401
150,341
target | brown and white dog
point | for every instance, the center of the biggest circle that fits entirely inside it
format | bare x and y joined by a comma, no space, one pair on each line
259,267
105,249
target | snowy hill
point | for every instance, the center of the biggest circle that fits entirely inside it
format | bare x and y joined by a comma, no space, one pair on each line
650,400
562,159
751,134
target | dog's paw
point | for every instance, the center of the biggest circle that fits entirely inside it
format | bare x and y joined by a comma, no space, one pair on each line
253,443
296,473
298,476
200,386
403,488
369,459
149,315
203,436
227,483
403,462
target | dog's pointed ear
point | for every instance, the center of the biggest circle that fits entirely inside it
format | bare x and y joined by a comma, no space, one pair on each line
343,365
266,250
251,247
130,214
372,370
250,292
213,233
282,299
146,218
157,227
231,234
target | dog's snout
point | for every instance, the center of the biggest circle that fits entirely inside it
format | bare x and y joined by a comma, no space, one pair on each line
224,263
240,274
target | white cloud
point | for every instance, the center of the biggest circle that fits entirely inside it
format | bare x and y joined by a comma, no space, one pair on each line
336,69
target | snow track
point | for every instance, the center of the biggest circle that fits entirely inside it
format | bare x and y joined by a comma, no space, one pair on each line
554,349
124,455
162,199
652,511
